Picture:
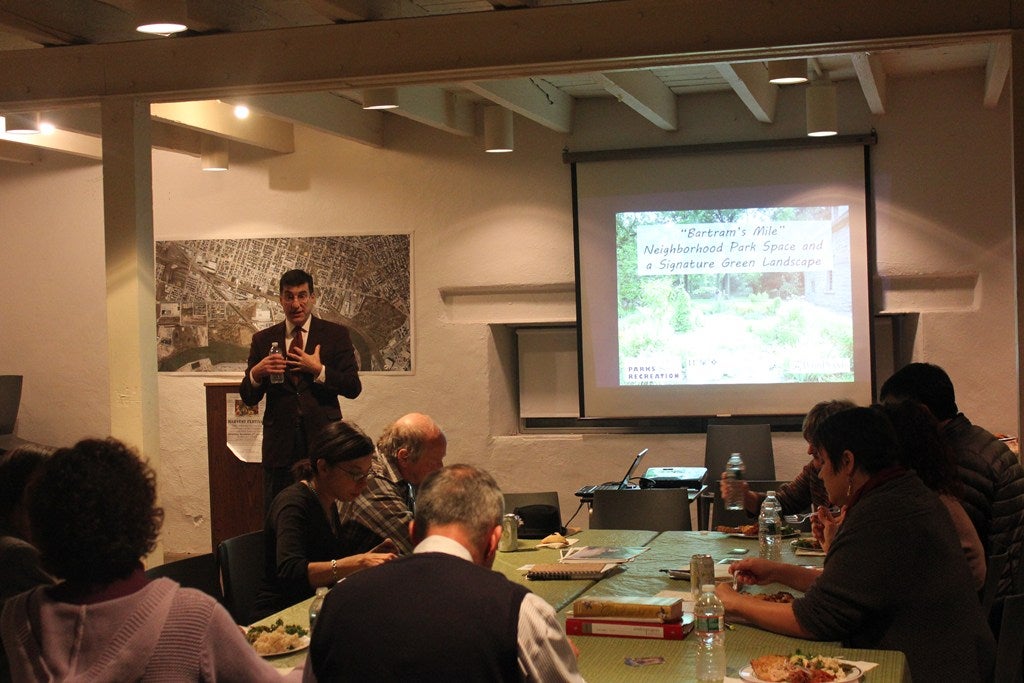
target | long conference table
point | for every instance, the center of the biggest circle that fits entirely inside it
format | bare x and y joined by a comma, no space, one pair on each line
603,658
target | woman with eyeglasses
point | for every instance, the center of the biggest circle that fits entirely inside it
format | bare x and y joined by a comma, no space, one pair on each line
304,549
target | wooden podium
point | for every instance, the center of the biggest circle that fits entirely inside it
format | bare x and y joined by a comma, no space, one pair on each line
236,487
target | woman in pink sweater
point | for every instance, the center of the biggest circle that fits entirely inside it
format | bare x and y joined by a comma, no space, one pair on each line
93,516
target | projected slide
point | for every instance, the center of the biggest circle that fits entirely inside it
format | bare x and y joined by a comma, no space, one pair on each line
734,296
723,283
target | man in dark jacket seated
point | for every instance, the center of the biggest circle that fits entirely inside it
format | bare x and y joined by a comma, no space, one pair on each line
992,476
441,613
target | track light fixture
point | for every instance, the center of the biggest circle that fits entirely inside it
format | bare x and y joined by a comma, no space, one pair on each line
380,98
498,134
822,112
161,17
214,153
787,71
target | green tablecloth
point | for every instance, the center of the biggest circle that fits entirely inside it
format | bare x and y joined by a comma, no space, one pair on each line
561,593
603,658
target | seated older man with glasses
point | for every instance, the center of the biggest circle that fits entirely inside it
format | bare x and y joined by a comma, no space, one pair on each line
303,548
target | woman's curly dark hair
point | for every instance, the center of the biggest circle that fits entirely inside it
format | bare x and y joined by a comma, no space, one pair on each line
93,511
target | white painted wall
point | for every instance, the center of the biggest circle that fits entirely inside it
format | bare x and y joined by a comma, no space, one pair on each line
487,229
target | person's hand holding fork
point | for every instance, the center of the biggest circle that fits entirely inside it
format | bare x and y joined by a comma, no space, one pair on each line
824,525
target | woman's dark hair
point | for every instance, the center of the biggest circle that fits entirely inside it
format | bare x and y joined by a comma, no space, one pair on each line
820,412
339,441
17,468
93,511
865,432
922,447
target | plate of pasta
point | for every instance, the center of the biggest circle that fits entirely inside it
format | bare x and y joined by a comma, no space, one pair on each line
277,639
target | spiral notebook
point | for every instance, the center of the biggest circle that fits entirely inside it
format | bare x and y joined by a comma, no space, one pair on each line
578,570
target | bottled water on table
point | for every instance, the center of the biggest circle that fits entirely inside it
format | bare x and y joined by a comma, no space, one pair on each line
734,470
769,528
275,377
709,623
316,606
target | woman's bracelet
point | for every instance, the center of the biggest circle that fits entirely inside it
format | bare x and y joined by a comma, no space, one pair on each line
334,569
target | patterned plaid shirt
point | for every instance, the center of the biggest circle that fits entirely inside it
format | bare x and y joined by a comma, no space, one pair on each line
384,510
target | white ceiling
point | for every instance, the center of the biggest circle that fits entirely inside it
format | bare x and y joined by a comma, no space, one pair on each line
547,97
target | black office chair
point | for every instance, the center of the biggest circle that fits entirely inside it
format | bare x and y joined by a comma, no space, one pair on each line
753,442
650,509
198,571
720,516
515,500
242,563
994,567
10,401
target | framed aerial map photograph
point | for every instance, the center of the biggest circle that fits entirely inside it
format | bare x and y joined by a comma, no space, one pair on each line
213,295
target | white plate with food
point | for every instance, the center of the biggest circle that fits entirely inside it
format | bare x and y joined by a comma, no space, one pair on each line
277,639
808,546
301,644
775,668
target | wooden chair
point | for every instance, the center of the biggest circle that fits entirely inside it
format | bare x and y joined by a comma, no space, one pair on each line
199,572
1010,649
242,564
653,509
753,442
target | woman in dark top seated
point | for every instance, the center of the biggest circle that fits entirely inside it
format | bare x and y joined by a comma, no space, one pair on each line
303,548
894,578
20,566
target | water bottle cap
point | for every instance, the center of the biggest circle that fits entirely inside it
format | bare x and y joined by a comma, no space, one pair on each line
707,588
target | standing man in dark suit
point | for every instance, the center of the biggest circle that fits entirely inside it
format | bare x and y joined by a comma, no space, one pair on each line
319,365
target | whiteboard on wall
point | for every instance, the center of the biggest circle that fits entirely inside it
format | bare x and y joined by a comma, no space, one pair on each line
548,372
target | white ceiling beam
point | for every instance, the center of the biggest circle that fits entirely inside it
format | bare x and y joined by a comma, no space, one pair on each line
506,4
29,30
68,142
871,75
323,111
532,98
19,153
644,93
749,80
996,70
436,108
211,116
574,38
342,10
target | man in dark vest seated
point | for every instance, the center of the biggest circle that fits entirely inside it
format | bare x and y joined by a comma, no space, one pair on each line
441,613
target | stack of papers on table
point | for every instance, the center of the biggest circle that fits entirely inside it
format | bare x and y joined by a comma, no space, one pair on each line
596,553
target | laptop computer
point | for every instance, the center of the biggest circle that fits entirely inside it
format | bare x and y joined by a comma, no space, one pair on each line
587,492
676,477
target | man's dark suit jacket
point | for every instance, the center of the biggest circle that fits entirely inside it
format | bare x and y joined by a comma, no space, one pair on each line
308,402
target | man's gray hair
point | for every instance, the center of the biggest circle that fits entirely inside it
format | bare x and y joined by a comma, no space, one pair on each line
460,494
410,434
